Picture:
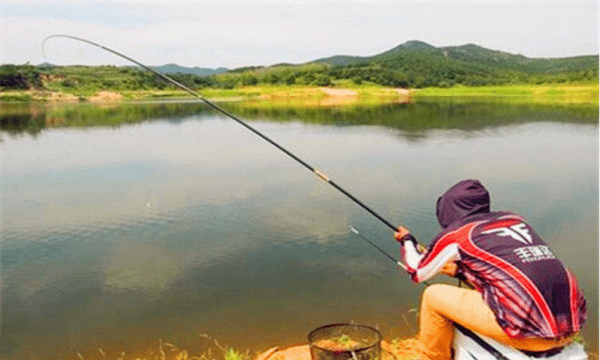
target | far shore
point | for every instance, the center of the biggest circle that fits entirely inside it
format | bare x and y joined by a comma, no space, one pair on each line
545,94
329,96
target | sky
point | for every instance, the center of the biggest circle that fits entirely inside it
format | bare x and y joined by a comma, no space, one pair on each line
233,34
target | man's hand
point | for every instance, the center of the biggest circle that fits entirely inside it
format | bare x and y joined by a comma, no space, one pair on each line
402,232
449,269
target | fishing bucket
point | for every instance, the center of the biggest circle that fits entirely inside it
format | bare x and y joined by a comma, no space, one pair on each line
345,342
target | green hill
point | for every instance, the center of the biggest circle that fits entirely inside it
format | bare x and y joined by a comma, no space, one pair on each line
412,45
471,54
425,65
474,54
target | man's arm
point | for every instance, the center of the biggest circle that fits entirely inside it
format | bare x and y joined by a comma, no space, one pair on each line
420,269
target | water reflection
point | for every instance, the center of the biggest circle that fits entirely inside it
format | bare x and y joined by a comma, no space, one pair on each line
412,117
32,118
425,115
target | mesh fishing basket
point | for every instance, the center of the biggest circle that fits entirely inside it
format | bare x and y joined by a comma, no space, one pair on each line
345,342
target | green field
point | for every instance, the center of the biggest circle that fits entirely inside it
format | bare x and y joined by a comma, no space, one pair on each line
559,94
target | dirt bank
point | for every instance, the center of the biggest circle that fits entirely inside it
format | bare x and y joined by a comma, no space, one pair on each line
404,95
105,97
339,92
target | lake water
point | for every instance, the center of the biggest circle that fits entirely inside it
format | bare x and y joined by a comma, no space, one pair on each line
185,227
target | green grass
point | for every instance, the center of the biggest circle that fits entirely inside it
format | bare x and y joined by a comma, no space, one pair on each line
273,91
232,354
15,96
152,94
558,94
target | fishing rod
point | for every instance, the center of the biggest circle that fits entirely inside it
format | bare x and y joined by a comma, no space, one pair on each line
233,117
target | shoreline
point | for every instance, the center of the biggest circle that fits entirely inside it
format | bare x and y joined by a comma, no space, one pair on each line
327,96
396,349
309,96
51,109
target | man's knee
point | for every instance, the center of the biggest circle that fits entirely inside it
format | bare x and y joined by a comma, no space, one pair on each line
434,294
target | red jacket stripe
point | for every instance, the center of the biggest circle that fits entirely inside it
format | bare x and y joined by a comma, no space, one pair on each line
448,239
470,248
501,223
574,300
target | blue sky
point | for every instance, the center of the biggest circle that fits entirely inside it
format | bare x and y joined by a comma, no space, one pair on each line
244,33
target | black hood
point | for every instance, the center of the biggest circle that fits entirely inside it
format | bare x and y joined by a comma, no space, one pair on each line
466,198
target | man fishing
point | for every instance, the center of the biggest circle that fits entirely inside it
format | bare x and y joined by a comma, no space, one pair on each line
523,296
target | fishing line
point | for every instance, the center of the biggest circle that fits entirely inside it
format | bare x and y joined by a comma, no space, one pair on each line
233,117
397,262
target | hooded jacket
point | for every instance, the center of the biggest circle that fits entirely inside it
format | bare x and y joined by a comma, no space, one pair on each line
464,199
530,292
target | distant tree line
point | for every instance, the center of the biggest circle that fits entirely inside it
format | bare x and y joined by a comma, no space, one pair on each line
19,77
395,72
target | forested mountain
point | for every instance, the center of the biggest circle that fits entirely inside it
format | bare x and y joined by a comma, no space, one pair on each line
471,54
425,65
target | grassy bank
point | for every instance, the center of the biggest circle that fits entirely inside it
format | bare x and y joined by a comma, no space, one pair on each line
262,92
343,93
558,94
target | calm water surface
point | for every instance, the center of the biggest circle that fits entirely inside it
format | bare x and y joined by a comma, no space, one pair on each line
116,237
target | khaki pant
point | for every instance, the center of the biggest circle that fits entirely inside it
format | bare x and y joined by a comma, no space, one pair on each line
444,304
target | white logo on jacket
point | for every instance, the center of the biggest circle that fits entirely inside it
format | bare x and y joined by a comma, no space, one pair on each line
534,253
518,232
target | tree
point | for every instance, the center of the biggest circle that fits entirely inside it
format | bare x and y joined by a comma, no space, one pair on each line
19,77
249,80
323,80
